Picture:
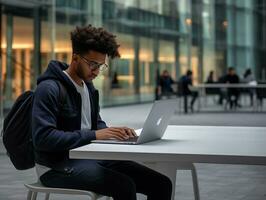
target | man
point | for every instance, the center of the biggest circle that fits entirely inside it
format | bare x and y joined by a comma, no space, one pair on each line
222,91
232,93
59,127
185,82
166,82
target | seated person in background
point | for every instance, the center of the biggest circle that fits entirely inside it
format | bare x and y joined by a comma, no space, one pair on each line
185,82
165,84
210,78
249,78
233,93
222,91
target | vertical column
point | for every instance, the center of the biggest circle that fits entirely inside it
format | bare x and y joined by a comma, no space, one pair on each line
173,7
263,40
197,34
1,70
156,67
177,64
37,44
147,73
18,72
9,41
52,24
189,48
27,71
94,10
252,33
136,67
211,21
231,33
156,52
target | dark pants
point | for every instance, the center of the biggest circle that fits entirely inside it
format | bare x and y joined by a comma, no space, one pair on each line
194,95
222,95
119,179
233,96
251,93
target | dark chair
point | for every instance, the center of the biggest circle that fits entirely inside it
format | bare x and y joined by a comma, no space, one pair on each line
261,94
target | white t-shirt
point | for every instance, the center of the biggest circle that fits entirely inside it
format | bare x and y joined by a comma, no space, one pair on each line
85,116
86,104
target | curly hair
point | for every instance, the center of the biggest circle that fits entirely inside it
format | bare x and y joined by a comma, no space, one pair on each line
89,38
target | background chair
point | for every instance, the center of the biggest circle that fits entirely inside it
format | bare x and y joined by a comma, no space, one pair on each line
261,95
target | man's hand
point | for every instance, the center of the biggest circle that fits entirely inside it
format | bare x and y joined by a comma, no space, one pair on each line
119,133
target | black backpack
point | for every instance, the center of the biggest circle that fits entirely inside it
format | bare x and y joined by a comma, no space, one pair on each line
17,130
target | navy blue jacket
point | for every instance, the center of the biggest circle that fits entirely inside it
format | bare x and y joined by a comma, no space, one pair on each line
56,125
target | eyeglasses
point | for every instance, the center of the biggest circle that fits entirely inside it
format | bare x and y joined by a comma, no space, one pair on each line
94,65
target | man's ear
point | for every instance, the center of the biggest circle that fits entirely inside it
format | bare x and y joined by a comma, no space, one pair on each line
75,58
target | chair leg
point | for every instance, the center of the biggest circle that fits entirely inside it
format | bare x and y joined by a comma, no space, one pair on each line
29,195
47,196
34,195
195,183
180,104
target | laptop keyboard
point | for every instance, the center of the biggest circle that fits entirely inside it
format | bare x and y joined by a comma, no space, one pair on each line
132,139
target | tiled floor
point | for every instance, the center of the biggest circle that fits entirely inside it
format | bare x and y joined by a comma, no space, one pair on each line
216,182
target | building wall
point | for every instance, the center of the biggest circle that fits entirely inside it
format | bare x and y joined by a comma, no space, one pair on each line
177,35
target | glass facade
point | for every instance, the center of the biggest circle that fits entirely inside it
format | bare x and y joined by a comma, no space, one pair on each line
176,35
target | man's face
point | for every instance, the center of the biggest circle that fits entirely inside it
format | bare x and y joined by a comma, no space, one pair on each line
231,72
165,73
88,65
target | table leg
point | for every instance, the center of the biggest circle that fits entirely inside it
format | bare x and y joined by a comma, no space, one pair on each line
170,168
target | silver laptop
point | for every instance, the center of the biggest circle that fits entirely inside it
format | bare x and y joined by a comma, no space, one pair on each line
154,126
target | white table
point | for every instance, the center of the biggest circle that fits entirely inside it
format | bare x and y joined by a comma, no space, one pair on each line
185,145
229,85
202,89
